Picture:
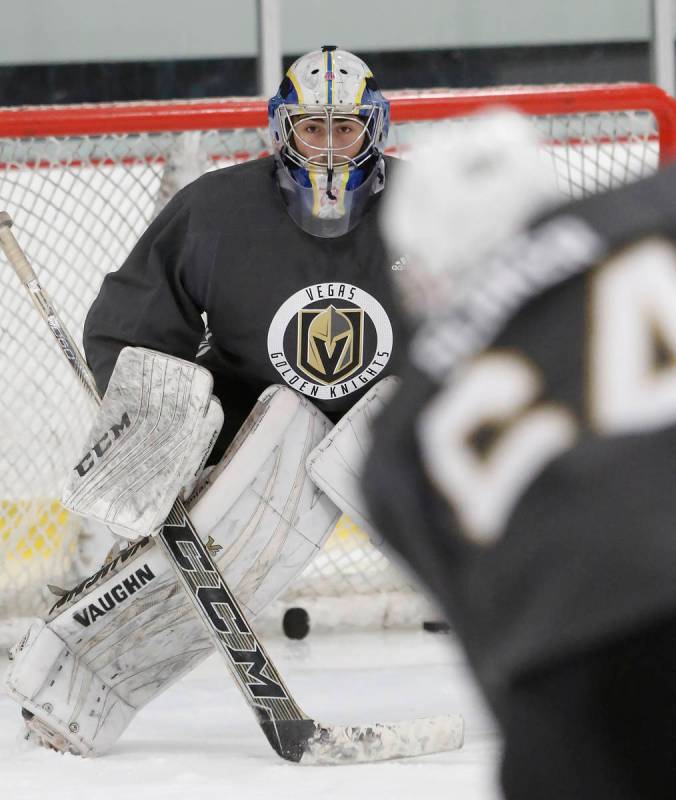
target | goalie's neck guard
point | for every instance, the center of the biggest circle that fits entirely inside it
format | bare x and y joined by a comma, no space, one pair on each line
328,124
323,210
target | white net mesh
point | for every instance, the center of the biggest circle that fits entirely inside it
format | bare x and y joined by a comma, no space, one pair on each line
79,203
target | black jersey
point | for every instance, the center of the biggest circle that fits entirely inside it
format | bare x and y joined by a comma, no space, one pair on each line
281,306
525,468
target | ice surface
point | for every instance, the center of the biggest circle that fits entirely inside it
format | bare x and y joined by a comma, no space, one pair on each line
199,741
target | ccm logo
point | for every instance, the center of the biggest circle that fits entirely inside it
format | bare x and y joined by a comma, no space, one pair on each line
102,445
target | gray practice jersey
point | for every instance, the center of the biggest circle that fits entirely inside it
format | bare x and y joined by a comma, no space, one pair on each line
281,306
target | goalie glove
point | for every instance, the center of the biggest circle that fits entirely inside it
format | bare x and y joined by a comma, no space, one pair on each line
152,436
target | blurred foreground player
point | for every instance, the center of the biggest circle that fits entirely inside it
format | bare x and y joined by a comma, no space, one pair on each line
525,468
283,259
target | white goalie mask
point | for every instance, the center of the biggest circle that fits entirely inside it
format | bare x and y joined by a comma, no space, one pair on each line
328,124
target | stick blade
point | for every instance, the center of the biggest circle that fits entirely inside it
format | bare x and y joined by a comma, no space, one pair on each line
332,744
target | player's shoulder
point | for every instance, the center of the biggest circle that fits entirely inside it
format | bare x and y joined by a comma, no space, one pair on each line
225,194
635,211
233,182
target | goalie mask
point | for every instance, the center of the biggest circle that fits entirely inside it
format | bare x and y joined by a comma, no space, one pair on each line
328,124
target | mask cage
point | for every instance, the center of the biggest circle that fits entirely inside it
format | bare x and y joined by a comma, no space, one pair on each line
329,157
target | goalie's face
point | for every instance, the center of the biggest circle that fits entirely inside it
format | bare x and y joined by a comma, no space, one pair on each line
333,141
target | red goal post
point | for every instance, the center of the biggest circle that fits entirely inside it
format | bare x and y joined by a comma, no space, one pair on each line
406,106
82,183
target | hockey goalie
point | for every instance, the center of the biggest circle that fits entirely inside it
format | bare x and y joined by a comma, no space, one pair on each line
531,446
284,259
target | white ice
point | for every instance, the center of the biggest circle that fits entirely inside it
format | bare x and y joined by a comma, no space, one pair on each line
199,741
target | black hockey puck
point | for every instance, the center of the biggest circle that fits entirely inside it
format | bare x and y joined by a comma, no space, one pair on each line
436,626
296,623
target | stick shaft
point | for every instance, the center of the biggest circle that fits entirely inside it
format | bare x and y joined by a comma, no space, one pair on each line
43,304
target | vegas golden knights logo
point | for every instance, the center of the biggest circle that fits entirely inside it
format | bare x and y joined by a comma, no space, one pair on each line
330,339
330,343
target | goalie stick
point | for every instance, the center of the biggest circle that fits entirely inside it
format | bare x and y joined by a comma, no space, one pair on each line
292,734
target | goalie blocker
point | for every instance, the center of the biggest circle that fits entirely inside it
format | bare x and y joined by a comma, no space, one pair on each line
126,634
151,437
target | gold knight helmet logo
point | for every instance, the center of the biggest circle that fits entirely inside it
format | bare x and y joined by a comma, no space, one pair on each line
330,343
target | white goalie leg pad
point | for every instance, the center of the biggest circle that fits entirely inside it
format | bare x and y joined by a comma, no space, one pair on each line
152,435
262,505
100,713
335,465
131,631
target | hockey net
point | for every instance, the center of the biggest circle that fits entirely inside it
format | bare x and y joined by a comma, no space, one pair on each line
82,184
